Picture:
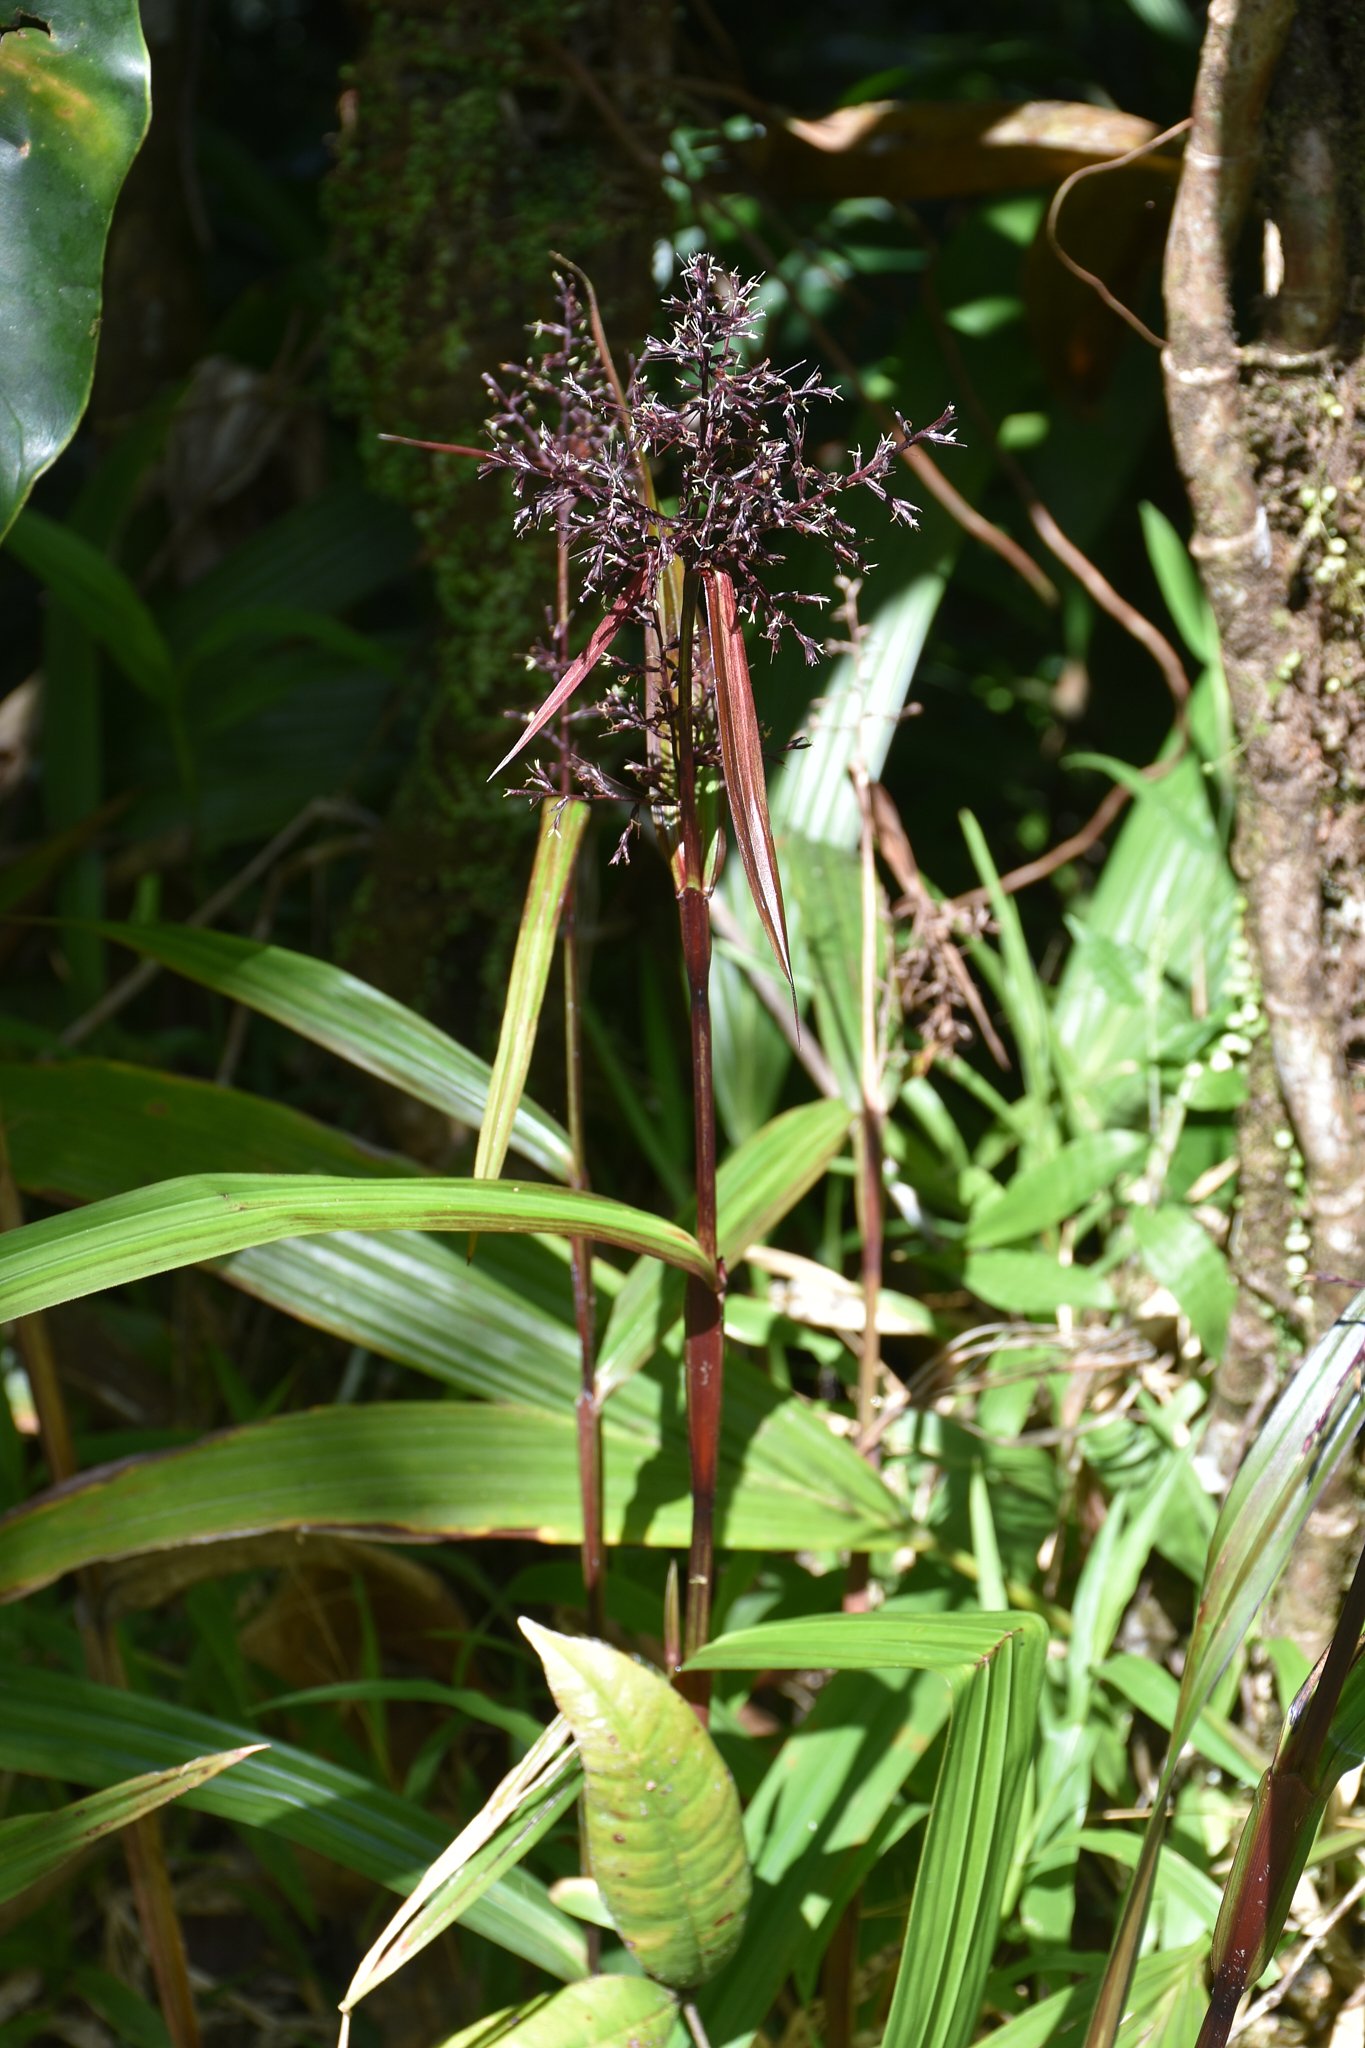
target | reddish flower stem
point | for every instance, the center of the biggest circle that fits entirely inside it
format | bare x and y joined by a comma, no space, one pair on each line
703,1352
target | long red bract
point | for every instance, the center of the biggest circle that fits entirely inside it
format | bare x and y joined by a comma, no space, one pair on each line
574,674
741,749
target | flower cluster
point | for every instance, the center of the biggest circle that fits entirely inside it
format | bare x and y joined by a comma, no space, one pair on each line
730,434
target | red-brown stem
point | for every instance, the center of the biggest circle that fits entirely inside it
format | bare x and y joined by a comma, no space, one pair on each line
588,1409
869,1162
703,1352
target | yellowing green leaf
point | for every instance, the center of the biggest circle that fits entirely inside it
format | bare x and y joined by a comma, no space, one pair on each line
606,2012
662,1817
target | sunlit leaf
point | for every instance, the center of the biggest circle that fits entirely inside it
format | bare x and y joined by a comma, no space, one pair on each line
427,1470
334,1009
1032,1284
68,1728
994,1670
1180,1254
661,1815
561,833
206,1216
31,1844
606,2012
74,106
1043,1195
530,1799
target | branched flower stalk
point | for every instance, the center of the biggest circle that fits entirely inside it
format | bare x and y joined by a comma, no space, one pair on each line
725,431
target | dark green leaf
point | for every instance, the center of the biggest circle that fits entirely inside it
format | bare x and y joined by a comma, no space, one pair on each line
98,594
74,105
332,1008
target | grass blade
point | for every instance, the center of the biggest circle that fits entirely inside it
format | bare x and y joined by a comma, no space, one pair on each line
34,1843
336,1010
206,1216
561,834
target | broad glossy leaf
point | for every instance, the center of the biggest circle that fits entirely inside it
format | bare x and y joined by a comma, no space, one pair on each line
334,1009
761,1182
1032,1284
96,593
606,2012
88,1129
741,746
561,834
31,1844
57,1726
661,1814
423,1471
994,1670
1043,1195
530,1799
74,106
1182,1256
206,1216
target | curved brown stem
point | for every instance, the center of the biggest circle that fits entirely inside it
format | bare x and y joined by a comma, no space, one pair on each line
1059,198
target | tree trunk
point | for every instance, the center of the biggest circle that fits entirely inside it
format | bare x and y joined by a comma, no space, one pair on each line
1266,434
471,148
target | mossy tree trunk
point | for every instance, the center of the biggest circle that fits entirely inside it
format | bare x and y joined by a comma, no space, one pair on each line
1264,398
469,150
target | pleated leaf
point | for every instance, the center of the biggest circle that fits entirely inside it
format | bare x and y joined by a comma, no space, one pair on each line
994,1669
334,1009
661,1814
207,1216
32,1844
53,1725
741,746
561,834
416,1470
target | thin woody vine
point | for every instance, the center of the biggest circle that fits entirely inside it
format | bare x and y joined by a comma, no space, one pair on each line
724,433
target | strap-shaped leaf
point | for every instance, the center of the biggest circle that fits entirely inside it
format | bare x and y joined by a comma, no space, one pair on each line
206,1216
741,747
88,1129
100,596
447,1469
529,1801
359,1023
1280,1480
994,1670
74,105
31,1844
606,2012
68,1728
561,834
761,1182
660,1811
